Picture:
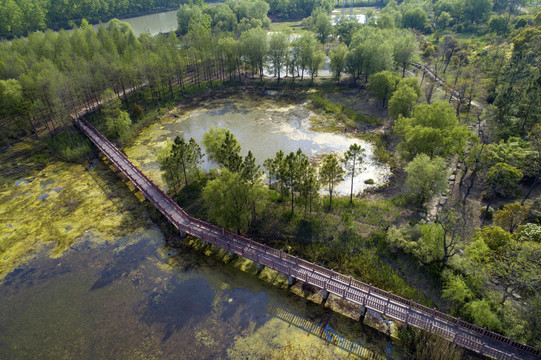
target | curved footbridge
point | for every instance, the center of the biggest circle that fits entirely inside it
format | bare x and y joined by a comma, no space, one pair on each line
328,281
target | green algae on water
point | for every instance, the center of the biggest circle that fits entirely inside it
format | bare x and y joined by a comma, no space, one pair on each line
54,203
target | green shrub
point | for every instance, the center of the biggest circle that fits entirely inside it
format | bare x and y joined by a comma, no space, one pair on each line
480,312
529,232
70,145
490,212
137,111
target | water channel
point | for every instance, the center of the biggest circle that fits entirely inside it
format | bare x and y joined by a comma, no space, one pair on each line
152,24
164,22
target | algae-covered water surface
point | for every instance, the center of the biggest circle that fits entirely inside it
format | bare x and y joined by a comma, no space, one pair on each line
135,299
86,274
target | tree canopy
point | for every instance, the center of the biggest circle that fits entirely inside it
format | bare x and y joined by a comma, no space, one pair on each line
330,173
434,130
426,177
231,200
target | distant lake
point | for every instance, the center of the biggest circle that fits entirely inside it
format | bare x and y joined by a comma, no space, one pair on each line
153,24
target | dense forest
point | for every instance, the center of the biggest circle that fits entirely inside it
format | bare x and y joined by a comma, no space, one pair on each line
460,84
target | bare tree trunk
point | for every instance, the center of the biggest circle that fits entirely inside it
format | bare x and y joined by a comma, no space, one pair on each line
530,190
486,209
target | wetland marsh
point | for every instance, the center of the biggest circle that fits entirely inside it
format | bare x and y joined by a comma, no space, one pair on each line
86,273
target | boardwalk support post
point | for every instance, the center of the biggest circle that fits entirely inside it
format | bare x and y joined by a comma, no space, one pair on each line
386,304
325,294
363,313
408,313
290,280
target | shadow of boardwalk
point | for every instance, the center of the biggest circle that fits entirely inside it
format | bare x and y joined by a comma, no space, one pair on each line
325,331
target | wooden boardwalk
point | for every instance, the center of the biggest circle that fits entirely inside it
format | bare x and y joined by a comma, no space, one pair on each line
328,281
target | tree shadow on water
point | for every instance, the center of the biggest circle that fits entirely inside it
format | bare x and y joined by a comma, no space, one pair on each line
246,308
173,310
123,262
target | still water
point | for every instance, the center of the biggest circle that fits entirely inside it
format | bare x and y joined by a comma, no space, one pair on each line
261,125
154,24
166,21
134,298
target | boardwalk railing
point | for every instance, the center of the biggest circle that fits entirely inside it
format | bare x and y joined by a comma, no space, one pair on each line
395,307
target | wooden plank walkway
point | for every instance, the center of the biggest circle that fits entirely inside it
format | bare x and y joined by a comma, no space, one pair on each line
328,281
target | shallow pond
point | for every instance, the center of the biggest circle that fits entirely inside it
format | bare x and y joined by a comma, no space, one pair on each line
261,125
337,15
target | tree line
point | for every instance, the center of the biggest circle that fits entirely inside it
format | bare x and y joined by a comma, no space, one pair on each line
231,16
20,17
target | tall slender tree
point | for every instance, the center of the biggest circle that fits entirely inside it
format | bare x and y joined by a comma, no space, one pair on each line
330,173
352,159
278,53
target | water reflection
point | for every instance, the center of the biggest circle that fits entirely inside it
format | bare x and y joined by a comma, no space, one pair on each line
183,304
152,24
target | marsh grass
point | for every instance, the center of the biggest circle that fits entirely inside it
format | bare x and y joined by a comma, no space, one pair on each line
423,345
69,145
289,27
349,117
